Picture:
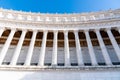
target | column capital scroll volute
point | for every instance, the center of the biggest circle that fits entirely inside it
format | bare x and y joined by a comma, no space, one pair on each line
24,30
116,28
107,29
45,31
96,30
13,29
55,31
65,32
86,30
76,31
35,30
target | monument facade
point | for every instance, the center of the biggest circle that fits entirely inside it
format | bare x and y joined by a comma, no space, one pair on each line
79,46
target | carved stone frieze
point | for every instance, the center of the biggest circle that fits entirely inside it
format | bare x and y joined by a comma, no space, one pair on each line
11,17
39,26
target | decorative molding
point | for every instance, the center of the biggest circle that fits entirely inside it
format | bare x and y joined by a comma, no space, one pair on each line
30,17
80,26
75,68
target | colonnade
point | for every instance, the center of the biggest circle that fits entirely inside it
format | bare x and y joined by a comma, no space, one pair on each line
55,47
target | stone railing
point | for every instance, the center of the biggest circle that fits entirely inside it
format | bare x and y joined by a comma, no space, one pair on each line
57,18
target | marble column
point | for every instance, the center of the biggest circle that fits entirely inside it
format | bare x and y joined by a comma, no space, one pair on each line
54,54
6,45
114,43
43,49
18,48
91,49
103,48
31,48
66,49
78,49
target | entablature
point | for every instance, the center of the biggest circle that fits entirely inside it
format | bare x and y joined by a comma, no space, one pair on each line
60,27
58,18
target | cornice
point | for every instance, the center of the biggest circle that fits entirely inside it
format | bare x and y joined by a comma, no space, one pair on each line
89,25
41,18
58,14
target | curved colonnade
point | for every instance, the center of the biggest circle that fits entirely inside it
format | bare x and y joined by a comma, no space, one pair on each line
55,31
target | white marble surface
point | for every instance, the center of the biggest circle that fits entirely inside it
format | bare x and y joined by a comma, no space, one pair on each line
60,75
60,55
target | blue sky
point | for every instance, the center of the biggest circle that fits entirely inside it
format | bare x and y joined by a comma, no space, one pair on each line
60,6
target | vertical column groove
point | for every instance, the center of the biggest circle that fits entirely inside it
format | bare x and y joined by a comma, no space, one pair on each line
6,45
18,48
30,50
54,54
103,48
90,48
78,49
43,48
66,49
114,43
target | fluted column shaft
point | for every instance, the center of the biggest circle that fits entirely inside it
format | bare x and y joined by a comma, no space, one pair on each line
78,49
90,48
54,54
103,48
43,48
6,45
114,43
18,48
1,31
66,49
30,50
